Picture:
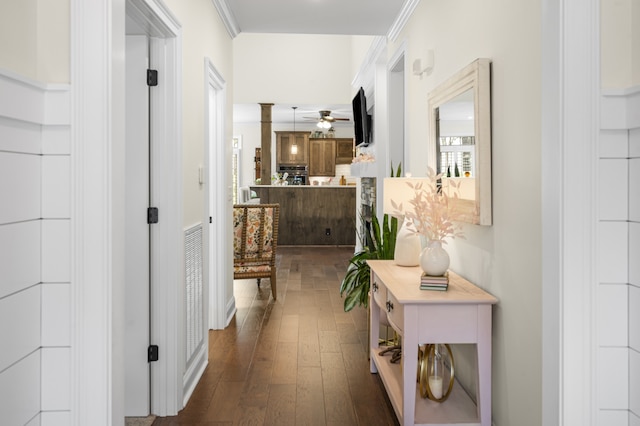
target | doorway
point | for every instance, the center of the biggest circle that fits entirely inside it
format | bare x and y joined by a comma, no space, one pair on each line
137,241
150,20
396,94
217,208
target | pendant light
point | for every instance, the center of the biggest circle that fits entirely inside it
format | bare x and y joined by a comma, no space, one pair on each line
294,147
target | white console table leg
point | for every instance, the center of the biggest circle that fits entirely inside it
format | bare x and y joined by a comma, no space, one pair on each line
410,363
484,364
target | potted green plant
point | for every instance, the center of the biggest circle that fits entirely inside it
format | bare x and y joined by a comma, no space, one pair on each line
355,285
381,245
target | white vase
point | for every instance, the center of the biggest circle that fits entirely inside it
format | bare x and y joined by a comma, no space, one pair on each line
407,252
434,260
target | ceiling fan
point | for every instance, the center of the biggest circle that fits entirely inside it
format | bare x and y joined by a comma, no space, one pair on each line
326,120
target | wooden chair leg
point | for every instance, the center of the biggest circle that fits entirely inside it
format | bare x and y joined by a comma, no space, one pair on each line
274,291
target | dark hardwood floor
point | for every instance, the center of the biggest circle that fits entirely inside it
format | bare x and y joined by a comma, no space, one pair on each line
300,360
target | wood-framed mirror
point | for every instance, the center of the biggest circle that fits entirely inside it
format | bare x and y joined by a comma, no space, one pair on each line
460,138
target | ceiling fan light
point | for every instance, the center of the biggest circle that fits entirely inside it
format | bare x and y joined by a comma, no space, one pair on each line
320,124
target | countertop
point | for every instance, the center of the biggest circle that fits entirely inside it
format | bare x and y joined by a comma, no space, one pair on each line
304,186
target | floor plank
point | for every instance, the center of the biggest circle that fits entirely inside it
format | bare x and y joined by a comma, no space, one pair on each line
300,360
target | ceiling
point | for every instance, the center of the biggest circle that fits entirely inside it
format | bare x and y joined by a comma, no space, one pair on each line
351,17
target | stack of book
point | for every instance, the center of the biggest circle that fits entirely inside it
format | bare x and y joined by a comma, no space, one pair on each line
430,282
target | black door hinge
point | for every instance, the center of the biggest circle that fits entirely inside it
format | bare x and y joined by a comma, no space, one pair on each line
152,77
210,219
152,215
152,353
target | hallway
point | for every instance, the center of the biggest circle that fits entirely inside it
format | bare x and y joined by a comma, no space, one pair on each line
301,360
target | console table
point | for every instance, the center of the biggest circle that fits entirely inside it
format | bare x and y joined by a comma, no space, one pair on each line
462,314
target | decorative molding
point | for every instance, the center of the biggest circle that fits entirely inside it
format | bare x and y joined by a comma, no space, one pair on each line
403,17
365,76
231,310
227,17
33,101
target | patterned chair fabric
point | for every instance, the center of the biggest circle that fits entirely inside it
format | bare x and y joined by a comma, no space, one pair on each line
255,238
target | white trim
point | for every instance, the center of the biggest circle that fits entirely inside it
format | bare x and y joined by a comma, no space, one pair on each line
95,117
167,254
403,17
227,17
216,250
570,117
230,311
366,73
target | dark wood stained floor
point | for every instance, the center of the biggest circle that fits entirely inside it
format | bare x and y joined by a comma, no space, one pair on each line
298,361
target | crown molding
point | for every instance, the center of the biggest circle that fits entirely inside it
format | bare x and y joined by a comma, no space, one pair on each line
404,15
227,17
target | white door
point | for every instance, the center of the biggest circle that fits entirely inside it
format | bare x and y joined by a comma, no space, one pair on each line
137,384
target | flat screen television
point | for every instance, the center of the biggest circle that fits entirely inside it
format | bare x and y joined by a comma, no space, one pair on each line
361,120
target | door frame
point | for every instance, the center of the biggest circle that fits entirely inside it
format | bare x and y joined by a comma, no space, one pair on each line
167,248
216,204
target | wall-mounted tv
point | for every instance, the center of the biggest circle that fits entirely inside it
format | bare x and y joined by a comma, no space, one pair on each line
361,120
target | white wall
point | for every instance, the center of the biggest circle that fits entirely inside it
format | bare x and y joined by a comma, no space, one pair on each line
34,39
504,259
204,35
295,68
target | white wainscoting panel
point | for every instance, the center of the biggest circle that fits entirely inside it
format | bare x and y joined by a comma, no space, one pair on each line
634,189
634,253
56,140
19,325
634,381
613,319
613,252
193,290
19,187
55,418
634,143
20,391
613,189
56,250
634,317
56,379
56,186
19,136
613,378
56,314
34,181
613,418
614,144
19,256
194,297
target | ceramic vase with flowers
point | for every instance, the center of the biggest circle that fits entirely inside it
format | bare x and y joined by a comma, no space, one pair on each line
435,217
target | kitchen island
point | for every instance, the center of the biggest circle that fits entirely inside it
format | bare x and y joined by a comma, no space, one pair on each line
313,215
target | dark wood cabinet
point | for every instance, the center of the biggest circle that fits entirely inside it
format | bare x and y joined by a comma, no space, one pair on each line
313,215
322,157
286,154
344,150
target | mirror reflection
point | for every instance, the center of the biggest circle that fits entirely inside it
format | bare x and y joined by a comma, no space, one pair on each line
461,139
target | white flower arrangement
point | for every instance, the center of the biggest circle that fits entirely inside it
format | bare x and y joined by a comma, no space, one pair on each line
434,215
